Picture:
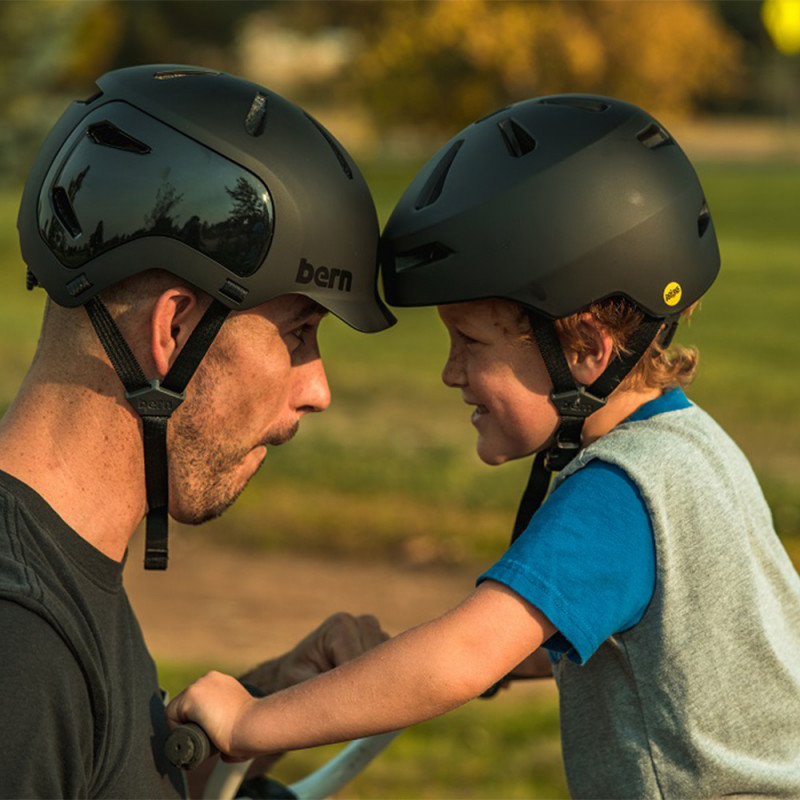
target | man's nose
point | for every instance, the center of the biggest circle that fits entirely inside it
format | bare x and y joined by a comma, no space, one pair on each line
314,392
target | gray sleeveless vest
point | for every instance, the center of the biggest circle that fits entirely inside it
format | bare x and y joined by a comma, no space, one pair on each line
702,697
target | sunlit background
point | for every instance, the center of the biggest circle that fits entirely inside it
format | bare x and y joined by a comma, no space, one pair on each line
388,474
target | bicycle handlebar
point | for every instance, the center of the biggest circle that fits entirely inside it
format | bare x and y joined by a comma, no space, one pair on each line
188,745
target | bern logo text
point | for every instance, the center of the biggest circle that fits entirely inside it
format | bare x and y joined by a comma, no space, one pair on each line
325,277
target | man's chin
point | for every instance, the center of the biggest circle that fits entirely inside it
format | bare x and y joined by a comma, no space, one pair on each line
216,506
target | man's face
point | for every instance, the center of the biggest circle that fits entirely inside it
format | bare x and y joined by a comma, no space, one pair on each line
261,375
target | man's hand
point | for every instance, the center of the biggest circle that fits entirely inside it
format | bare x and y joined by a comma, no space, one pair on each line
340,638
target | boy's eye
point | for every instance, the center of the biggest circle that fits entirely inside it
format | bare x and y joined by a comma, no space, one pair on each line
466,339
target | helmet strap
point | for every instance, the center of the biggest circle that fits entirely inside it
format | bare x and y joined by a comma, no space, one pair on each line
574,403
155,401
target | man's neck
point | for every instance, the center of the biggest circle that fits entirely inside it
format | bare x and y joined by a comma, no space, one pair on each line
81,451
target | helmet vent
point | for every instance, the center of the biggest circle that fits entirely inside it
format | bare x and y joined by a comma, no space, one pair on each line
421,256
334,146
654,136
169,74
581,103
233,291
65,212
435,183
518,141
703,219
257,115
108,135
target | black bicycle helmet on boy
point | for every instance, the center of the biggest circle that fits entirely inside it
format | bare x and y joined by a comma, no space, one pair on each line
216,179
557,202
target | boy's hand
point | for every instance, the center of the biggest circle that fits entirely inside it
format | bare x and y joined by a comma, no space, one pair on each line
215,703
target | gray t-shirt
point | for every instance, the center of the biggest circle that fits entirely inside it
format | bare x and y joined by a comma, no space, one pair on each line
701,698
82,711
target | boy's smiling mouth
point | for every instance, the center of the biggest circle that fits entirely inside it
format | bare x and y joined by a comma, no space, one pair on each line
478,412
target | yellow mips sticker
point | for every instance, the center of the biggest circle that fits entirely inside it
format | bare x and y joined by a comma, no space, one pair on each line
672,293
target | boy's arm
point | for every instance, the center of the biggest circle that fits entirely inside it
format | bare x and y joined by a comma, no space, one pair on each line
424,672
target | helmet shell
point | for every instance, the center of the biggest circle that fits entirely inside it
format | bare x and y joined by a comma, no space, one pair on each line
216,179
554,202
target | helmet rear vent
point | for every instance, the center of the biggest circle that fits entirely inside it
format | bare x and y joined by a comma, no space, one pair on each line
703,219
334,146
65,212
233,291
435,183
109,135
518,141
421,256
582,103
257,115
654,136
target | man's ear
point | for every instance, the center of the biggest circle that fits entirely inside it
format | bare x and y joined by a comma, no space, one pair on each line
589,364
175,314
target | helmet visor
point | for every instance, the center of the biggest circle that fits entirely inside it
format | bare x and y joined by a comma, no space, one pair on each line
126,176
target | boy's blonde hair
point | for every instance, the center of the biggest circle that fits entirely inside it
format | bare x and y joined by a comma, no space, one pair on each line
659,368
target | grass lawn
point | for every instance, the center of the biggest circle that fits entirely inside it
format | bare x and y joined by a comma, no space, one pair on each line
390,472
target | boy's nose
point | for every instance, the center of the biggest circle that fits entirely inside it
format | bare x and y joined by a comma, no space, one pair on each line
452,374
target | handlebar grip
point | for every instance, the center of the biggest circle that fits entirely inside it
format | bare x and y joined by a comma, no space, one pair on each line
187,746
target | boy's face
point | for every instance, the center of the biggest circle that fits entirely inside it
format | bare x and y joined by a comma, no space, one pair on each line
501,374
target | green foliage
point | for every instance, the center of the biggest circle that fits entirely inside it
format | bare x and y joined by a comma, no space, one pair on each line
390,471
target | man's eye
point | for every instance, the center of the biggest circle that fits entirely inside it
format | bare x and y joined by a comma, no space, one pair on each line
302,333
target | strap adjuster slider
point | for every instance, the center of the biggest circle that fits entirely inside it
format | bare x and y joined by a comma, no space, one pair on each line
154,400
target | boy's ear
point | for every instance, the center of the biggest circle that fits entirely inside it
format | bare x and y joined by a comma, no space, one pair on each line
591,362
175,314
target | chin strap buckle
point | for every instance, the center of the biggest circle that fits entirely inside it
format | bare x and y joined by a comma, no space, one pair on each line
155,403
574,406
154,400
577,402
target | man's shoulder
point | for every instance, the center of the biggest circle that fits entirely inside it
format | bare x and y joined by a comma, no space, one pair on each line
22,541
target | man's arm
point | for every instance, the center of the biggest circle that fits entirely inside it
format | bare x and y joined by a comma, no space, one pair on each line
424,672
47,732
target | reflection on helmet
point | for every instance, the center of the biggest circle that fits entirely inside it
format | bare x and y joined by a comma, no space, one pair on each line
216,179
111,178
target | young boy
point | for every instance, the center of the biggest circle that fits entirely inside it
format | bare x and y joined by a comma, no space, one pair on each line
561,239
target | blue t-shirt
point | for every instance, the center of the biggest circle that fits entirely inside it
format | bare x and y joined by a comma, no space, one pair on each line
587,559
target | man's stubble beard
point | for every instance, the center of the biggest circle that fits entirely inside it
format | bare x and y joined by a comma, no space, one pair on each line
203,473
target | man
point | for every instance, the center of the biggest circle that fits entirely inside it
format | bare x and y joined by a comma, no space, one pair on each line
191,230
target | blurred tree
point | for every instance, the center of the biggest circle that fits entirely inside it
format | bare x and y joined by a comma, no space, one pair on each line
443,63
51,51
38,45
